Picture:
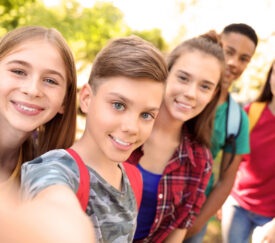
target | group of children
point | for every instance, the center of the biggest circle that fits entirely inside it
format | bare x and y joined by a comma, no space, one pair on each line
140,170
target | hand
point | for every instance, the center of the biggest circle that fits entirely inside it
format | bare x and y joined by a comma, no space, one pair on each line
264,234
219,215
44,222
269,236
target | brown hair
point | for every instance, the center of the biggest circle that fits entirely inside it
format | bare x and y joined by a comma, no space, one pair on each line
130,57
266,94
60,131
201,126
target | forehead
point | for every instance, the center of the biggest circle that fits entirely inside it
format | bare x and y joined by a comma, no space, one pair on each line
198,64
239,42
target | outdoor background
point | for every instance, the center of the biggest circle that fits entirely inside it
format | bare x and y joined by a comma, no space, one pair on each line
87,25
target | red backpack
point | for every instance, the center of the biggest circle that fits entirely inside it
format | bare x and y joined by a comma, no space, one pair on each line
132,172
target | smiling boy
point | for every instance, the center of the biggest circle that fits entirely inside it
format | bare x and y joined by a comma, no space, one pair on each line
121,101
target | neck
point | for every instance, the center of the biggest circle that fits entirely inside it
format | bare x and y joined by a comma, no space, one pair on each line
223,96
93,157
166,124
10,144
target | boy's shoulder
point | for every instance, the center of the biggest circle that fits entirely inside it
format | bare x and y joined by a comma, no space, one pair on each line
53,167
56,155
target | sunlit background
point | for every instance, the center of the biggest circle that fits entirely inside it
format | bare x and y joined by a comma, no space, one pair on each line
181,19
87,25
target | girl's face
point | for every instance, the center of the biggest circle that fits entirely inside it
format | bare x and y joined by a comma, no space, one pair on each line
272,80
191,84
32,85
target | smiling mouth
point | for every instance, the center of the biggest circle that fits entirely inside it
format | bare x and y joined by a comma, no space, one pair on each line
120,142
185,106
121,145
27,109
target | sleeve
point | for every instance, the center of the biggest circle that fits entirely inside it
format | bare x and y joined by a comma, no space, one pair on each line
199,193
53,168
242,141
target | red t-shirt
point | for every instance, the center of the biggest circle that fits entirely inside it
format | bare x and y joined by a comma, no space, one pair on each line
254,187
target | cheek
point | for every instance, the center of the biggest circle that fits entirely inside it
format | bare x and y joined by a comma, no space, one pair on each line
145,131
204,100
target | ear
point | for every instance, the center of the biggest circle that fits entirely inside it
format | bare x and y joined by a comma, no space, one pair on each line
85,96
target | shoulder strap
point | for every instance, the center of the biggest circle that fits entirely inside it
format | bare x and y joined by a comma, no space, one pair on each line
234,118
233,125
84,180
254,113
135,179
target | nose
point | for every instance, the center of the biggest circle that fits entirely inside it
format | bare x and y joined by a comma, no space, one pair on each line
31,87
192,90
232,61
130,124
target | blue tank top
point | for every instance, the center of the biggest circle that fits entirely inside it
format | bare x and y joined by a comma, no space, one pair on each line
147,210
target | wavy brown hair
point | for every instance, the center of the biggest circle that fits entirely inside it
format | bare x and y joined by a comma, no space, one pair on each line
201,126
60,131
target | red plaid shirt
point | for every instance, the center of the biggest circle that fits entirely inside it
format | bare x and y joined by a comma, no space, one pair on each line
181,188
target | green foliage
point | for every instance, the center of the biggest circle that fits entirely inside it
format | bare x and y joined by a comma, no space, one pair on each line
13,13
87,30
154,36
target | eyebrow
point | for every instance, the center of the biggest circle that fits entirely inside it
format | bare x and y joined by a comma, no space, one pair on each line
26,64
131,102
189,75
243,55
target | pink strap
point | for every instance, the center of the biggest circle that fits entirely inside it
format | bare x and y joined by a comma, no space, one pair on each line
84,180
135,179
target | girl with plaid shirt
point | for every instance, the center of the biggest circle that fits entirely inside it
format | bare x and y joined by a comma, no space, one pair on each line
175,161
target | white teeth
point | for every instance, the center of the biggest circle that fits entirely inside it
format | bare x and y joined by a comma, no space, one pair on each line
185,106
25,108
121,142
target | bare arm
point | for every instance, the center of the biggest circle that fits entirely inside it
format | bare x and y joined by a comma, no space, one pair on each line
219,193
176,236
53,216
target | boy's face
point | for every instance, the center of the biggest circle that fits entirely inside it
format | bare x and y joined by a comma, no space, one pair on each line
120,115
238,50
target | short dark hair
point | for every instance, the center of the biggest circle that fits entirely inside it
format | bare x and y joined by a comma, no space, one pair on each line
243,29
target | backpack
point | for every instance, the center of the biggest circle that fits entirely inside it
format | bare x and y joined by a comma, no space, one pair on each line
233,125
254,113
133,174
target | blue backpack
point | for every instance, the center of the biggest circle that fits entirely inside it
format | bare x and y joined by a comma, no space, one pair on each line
233,125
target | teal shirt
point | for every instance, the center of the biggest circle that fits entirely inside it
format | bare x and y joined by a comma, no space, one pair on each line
219,133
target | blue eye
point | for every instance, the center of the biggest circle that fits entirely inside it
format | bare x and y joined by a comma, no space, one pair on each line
206,87
183,78
18,72
147,116
50,81
118,106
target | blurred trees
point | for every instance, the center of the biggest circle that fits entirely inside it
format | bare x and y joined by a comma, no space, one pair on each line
86,29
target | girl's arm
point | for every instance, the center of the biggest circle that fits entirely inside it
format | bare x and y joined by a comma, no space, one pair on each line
218,194
54,215
176,236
